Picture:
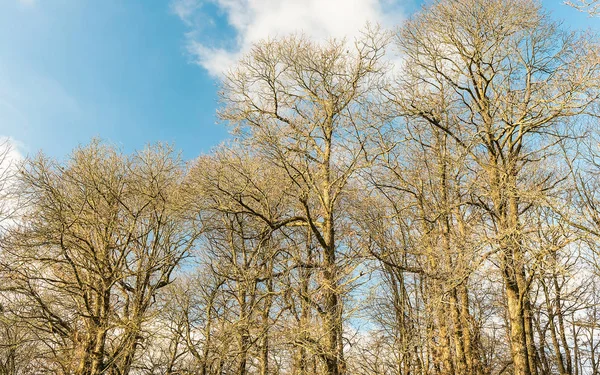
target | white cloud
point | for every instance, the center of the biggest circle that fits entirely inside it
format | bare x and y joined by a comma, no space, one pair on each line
10,152
254,20
215,60
184,9
10,157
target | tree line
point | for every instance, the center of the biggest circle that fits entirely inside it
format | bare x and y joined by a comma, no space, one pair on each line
440,215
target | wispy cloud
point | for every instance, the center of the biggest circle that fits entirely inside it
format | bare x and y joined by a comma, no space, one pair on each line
10,152
254,20
184,9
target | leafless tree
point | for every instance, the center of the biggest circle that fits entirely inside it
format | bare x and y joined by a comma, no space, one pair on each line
100,237
439,218
305,106
503,82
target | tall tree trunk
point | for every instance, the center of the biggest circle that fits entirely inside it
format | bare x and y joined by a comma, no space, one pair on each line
97,354
561,324
264,347
518,342
332,317
444,342
472,362
333,310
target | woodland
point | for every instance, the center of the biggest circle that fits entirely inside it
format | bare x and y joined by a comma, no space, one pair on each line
419,201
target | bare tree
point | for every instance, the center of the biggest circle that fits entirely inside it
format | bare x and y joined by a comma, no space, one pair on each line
440,218
18,346
8,166
306,107
503,81
100,237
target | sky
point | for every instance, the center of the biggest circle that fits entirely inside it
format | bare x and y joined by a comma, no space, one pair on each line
135,72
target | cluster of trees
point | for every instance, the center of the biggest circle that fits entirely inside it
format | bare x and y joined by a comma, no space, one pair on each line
438,217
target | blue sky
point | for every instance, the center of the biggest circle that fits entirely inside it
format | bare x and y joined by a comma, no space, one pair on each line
134,72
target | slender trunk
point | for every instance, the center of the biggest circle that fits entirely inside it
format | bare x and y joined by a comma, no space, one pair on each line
334,359
553,334
450,263
301,356
207,335
517,326
592,354
542,331
575,346
472,362
445,343
97,355
332,321
561,324
264,349
527,318
243,335
516,288
461,361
